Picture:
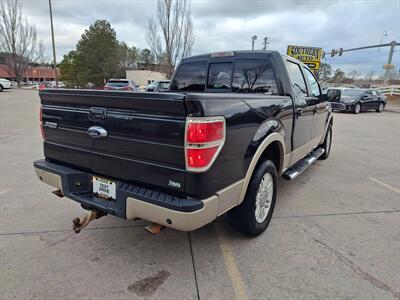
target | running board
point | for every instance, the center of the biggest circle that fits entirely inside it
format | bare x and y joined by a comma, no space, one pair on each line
302,164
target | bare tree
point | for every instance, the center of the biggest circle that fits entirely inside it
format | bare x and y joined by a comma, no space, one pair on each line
170,34
18,39
354,74
370,75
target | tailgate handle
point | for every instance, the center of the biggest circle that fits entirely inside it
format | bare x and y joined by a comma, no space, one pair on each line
97,113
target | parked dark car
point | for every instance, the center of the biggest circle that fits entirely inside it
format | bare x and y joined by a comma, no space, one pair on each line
217,142
120,84
158,86
357,100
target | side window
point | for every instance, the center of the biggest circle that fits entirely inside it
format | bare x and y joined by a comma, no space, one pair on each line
299,85
190,77
219,76
313,84
254,76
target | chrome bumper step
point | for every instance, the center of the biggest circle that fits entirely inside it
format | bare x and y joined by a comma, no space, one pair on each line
299,167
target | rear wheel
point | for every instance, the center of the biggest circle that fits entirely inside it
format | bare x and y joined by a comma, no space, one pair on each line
357,108
1,88
380,107
254,214
326,145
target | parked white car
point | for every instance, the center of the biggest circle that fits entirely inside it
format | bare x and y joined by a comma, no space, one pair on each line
4,84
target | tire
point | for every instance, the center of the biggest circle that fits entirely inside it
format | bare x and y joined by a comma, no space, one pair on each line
243,217
327,144
1,88
380,107
357,108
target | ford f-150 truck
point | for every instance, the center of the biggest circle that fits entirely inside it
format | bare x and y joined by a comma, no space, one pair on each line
216,142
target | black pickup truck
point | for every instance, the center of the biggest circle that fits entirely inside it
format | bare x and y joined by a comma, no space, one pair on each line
231,123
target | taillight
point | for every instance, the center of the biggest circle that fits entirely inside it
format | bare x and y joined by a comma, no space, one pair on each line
204,139
41,122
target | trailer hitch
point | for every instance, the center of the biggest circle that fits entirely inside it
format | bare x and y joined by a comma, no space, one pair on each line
78,224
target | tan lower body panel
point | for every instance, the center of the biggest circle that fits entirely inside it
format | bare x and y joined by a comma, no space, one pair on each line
184,221
229,197
49,178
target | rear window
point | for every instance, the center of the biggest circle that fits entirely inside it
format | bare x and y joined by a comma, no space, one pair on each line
190,77
254,76
219,76
164,85
242,76
117,83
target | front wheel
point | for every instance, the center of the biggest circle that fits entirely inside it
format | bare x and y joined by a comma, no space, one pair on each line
1,88
380,107
357,108
254,214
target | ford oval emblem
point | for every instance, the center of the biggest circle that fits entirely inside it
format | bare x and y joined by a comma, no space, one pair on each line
97,132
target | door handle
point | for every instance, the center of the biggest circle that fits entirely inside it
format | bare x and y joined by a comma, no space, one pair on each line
299,112
97,113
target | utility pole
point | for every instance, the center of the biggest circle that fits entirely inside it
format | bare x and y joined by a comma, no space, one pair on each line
253,39
54,46
265,43
389,63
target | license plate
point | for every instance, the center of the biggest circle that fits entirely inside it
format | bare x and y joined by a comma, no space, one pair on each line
104,188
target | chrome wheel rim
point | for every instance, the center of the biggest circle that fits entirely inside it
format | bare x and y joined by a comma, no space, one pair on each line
328,142
380,107
264,197
358,108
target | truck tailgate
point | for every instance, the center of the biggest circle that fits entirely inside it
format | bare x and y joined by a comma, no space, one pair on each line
145,134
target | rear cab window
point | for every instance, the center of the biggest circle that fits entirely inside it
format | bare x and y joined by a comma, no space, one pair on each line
190,76
118,83
219,76
239,76
254,76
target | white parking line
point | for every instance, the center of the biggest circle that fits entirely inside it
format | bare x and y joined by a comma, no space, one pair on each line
385,185
238,285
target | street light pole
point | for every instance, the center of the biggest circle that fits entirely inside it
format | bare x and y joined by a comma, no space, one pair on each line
389,63
54,46
253,39
265,43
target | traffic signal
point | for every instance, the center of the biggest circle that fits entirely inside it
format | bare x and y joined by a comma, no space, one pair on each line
333,52
340,51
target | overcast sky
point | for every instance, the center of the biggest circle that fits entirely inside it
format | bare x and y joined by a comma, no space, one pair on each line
226,25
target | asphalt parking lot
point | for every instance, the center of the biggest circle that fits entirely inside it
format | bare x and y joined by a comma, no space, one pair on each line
335,233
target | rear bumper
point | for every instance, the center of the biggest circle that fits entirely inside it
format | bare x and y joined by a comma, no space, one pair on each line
131,201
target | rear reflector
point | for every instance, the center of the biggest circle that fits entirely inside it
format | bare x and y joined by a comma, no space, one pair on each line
204,139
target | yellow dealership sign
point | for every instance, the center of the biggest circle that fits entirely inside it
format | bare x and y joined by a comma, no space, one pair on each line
311,56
